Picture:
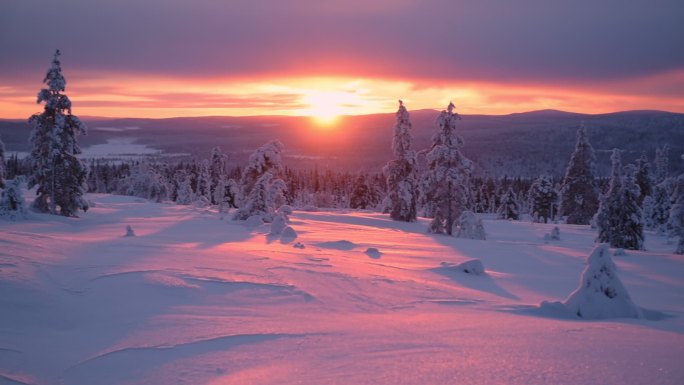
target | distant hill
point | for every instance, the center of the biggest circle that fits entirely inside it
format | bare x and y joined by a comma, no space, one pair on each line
520,144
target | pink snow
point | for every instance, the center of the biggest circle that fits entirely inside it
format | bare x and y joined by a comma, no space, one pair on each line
193,299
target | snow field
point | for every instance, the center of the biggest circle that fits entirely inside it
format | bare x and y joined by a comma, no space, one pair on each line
192,299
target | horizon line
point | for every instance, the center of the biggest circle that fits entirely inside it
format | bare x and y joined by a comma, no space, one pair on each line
356,115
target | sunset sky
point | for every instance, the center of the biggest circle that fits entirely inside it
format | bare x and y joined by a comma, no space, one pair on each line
163,58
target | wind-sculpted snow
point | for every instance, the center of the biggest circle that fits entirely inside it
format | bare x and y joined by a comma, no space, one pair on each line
355,298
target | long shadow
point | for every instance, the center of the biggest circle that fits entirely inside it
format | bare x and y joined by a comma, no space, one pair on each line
482,282
557,311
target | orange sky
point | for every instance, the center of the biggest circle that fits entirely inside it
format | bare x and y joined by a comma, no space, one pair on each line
163,58
159,97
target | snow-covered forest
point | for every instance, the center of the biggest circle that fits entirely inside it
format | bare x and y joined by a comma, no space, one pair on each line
204,270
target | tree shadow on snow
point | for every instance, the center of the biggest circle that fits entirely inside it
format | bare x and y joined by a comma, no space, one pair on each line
557,311
482,282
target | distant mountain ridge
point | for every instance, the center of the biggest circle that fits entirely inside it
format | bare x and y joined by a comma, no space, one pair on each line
519,144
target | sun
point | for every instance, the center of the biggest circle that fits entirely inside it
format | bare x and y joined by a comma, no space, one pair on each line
325,107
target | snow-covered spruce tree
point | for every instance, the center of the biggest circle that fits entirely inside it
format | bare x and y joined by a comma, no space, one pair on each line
579,192
11,199
543,198
217,174
2,164
600,293
676,218
662,163
619,217
361,194
261,191
643,178
632,218
647,213
265,159
609,213
445,185
146,181
257,201
204,183
660,213
185,194
219,196
59,175
276,194
401,172
509,208
232,192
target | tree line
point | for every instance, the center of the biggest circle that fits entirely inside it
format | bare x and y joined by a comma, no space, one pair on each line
436,182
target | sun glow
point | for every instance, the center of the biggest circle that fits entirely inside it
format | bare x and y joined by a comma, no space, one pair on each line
325,107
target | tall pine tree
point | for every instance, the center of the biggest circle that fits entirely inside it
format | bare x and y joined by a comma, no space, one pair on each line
59,175
401,172
445,186
643,178
579,193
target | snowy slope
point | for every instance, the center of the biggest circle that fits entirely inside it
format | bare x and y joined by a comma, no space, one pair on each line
194,299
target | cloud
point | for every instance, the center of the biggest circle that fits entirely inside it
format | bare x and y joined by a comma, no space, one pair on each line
488,41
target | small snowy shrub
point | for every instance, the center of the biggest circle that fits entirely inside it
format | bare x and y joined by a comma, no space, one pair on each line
279,223
555,234
469,226
129,231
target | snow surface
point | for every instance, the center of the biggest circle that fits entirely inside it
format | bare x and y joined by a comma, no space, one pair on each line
192,299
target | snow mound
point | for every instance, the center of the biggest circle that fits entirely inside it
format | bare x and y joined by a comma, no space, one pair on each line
338,245
288,234
472,266
254,221
620,252
278,225
600,293
554,235
373,252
